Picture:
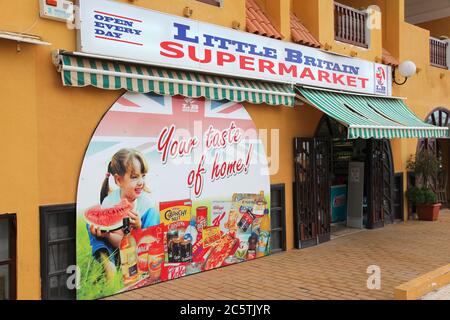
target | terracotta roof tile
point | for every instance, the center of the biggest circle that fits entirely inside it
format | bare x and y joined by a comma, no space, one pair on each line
258,22
389,59
302,35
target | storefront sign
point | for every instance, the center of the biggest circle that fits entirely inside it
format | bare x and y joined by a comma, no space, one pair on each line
129,32
164,191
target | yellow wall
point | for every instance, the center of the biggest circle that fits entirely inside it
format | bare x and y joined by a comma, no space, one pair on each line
440,27
46,128
299,122
18,169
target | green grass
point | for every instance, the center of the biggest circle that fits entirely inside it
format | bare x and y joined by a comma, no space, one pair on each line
93,283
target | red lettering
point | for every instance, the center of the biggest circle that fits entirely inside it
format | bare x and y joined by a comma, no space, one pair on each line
292,70
324,75
245,63
266,65
307,73
163,142
351,81
219,139
172,49
223,57
364,82
195,178
226,169
338,78
175,148
193,56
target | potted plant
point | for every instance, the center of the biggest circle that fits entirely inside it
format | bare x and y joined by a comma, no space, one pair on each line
426,165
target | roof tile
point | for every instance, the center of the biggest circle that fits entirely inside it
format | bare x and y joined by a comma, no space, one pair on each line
258,22
302,35
389,59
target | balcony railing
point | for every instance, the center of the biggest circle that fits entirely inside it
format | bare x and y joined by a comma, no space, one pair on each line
350,25
438,53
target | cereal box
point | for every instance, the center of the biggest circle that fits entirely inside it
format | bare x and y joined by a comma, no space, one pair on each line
220,214
175,211
175,216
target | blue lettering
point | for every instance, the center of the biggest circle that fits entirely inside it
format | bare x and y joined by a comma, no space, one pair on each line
223,43
240,46
99,17
270,53
294,56
310,61
208,40
320,63
336,68
182,33
351,69
329,65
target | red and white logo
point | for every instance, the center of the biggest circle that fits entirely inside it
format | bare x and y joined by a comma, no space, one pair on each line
380,76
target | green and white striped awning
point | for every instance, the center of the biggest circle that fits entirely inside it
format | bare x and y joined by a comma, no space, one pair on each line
80,71
372,116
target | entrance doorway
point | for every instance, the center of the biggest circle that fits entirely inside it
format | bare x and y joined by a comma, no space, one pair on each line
441,148
322,168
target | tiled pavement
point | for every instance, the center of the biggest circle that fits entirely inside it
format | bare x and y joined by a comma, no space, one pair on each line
334,270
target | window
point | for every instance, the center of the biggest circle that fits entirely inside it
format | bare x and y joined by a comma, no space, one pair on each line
277,218
57,251
7,257
217,3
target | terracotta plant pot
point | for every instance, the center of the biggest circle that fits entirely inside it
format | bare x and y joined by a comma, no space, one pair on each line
428,212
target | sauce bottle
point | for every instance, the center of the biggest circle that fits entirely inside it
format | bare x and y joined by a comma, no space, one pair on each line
128,255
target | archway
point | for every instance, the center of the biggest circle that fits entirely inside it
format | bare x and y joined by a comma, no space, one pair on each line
379,169
441,148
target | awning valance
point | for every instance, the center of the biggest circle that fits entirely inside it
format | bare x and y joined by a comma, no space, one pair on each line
80,71
372,116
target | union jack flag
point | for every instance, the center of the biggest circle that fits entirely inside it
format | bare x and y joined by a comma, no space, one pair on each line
144,115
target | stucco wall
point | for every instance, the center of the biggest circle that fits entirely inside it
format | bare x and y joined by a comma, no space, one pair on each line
46,128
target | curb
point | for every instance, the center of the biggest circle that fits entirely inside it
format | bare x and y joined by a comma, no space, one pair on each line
424,284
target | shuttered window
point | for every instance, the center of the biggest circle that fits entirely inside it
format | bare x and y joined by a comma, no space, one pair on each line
7,257
277,218
57,251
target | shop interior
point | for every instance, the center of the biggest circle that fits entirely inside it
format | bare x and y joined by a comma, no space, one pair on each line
344,152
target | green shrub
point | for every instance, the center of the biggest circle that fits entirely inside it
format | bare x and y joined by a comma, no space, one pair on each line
421,196
425,165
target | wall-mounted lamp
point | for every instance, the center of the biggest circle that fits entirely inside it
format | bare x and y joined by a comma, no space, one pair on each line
407,69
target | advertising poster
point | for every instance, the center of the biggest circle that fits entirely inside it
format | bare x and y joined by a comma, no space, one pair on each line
169,186
338,203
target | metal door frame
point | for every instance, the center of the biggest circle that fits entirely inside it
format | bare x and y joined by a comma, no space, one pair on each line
312,212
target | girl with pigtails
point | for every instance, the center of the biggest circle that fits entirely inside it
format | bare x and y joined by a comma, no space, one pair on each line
128,168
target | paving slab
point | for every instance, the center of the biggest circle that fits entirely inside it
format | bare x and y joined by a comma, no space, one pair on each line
336,269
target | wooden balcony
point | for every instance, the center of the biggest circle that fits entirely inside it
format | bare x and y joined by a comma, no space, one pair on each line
350,25
438,53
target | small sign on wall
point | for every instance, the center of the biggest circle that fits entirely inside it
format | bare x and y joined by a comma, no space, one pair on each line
59,10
